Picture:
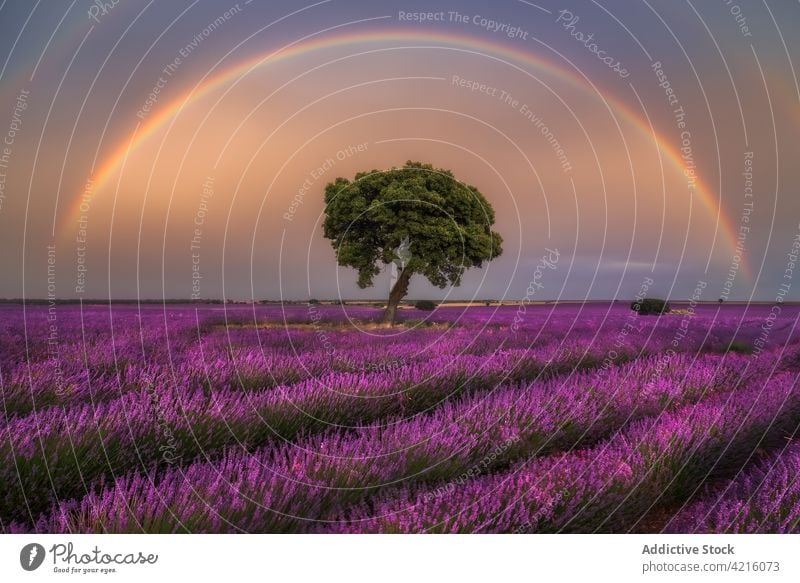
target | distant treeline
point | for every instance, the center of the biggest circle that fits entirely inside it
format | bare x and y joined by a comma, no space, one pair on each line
171,301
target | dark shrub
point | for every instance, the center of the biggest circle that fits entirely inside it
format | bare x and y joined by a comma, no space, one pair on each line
426,305
740,347
313,302
650,307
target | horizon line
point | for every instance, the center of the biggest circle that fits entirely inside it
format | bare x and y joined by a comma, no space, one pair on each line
251,301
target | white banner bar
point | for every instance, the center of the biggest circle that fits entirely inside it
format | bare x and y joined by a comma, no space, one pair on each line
370,558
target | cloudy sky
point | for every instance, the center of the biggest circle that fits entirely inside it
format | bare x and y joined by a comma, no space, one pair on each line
165,149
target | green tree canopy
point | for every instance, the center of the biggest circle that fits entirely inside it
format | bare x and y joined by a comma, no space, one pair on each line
442,226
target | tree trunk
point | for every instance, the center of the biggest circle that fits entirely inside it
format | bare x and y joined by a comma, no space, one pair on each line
398,292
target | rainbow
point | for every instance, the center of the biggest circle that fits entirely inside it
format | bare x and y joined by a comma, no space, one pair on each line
440,40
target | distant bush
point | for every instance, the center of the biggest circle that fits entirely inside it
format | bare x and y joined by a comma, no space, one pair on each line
740,347
313,302
650,306
426,305
487,303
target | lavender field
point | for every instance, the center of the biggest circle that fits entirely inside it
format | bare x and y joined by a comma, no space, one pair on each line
313,419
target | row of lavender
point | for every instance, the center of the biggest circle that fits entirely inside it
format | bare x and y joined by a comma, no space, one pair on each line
262,421
617,486
92,354
98,354
339,467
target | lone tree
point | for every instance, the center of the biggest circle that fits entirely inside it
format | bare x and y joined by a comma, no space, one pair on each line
419,218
